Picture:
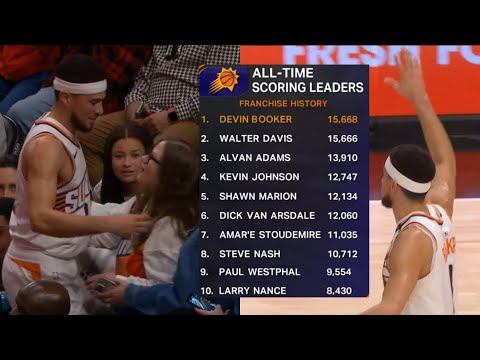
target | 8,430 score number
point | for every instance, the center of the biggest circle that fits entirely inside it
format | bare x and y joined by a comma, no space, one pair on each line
339,290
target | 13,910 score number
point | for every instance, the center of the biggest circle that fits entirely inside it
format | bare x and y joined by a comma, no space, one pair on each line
343,157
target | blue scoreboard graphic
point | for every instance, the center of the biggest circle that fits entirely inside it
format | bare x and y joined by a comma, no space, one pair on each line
284,181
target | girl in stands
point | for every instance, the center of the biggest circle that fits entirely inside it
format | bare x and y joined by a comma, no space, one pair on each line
124,149
169,193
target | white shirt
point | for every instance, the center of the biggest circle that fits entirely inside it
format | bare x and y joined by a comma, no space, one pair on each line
436,293
72,197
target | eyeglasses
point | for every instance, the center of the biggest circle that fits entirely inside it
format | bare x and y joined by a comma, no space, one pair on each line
147,158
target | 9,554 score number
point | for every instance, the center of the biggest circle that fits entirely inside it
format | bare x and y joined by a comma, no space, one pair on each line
339,272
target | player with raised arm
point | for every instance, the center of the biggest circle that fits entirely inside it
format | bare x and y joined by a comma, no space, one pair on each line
419,186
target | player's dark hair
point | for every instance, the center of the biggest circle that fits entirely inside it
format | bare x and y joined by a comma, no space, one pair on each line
415,163
80,69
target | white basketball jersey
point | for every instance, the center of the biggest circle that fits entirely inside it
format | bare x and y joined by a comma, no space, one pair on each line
436,293
73,197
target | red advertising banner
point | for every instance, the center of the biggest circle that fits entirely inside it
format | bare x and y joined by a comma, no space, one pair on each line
452,72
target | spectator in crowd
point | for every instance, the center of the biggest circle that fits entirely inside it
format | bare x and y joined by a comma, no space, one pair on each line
6,206
168,183
97,260
124,150
121,63
170,298
186,131
42,298
163,298
23,70
169,87
8,176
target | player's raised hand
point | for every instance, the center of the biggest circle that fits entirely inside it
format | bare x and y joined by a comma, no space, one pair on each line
411,84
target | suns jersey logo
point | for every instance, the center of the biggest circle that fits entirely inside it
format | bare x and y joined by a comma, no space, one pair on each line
78,197
70,201
449,247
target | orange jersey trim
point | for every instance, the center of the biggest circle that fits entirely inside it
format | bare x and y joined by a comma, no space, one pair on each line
73,141
34,268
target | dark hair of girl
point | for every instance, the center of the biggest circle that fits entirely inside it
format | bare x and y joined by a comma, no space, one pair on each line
112,188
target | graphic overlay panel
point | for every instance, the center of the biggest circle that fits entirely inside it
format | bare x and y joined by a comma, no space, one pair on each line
284,181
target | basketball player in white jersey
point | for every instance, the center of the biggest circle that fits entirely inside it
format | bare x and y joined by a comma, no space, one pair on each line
49,224
419,271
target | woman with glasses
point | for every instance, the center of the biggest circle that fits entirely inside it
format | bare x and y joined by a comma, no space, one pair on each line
168,184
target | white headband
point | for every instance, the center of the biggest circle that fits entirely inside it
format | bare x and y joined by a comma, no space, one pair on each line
79,89
405,182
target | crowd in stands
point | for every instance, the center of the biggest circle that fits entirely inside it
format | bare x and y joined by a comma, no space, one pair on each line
137,172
